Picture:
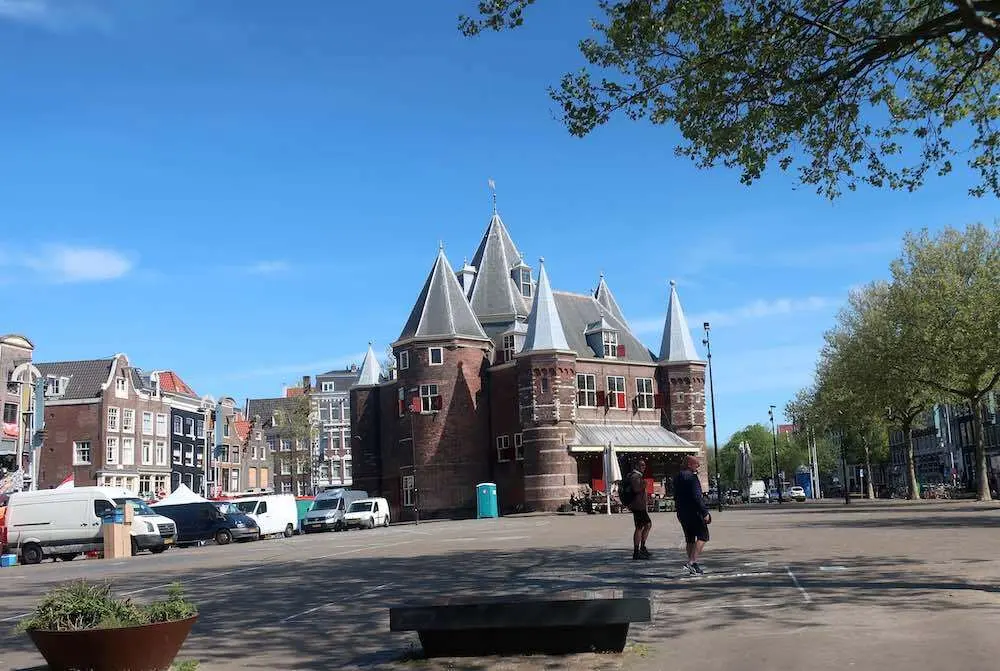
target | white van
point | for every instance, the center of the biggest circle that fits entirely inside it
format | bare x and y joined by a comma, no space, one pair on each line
367,514
273,513
329,508
150,521
62,523
758,492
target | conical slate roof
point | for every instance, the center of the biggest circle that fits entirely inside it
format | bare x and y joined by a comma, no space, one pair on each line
494,295
441,310
677,344
371,370
607,300
545,331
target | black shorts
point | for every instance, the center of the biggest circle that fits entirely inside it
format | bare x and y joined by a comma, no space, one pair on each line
694,529
641,518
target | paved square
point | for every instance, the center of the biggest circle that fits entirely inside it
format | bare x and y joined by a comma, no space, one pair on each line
888,585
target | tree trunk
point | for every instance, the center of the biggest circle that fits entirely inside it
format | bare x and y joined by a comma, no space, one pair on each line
868,471
982,475
912,488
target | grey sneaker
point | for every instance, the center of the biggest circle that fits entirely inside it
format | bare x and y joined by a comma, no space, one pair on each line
689,567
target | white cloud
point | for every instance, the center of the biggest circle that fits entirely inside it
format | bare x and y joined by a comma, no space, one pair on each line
310,367
758,309
267,267
66,264
57,15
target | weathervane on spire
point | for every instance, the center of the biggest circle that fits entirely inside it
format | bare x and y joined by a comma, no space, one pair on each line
493,188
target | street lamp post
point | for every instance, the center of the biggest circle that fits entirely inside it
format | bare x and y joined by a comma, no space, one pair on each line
774,438
711,391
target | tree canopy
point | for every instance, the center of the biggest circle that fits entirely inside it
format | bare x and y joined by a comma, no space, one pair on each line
845,92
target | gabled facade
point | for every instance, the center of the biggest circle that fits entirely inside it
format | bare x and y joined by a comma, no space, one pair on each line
332,402
15,401
501,378
291,458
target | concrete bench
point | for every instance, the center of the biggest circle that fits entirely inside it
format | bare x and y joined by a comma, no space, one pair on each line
567,622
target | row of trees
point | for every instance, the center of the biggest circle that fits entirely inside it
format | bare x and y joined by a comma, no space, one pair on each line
930,334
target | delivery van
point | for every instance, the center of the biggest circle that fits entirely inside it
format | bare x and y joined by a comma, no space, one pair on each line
329,508
274,513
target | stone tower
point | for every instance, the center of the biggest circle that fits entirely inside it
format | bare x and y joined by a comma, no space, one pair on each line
546,380
682,375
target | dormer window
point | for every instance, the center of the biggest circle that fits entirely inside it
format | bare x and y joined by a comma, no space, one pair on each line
610,344
56,386
524,281
121,387
509,347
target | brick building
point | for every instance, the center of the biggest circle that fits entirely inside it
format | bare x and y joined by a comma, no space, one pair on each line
106,423
500,378
15,401
291,454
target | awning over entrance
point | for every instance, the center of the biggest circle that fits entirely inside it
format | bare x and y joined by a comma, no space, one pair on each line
648,438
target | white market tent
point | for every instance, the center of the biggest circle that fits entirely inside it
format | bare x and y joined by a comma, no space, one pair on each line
180,496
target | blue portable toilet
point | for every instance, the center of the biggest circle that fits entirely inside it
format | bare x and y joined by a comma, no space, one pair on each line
486,500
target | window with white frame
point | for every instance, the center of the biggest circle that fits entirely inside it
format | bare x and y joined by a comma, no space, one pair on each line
616,391
586,390
402,401
199,428
111,451
178,425
161,425
147,424
234,480
327,386
286,445
435,356
225,428
303,466
430,400
324,412
286,488
147,452
503,448
335,469
525,283
189,426
509,347
121,387
336,411
347,469
145,486
286,466
234,454
161,453
404,360
408,491
519,446
610,344
160,483
128,420
128,451
54,386
644,393
189,455
176,453
81,452
113,414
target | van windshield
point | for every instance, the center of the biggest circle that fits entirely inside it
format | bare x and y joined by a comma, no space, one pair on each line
139,506
360,507
246,506
328,504
226,507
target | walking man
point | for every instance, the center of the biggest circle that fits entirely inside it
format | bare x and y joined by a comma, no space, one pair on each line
692,512
640,510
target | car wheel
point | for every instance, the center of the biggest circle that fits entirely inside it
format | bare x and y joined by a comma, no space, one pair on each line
289,531
68,556
371,523
223,537
385,522
135,548
31,553
158,550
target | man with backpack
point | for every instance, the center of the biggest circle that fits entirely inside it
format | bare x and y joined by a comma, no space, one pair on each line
632,493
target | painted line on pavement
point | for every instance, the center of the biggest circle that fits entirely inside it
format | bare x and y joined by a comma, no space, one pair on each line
833,568
749,574
327,605
805,594
357,549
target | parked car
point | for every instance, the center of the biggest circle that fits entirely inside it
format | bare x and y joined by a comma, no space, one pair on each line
367,514
797,494
63,523
273,513
329,509
203,521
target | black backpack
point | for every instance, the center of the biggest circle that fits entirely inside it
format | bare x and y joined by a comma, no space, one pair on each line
625,492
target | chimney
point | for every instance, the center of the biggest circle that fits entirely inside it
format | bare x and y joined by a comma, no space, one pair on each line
306,384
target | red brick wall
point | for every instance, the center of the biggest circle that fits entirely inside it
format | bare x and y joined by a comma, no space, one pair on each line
685,404
505,421
631,372
65,424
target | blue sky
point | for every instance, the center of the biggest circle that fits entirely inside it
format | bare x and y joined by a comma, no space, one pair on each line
243,193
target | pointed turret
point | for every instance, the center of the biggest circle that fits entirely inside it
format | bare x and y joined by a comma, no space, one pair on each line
607,300
677,344
441,310
495,296
545,331
371,370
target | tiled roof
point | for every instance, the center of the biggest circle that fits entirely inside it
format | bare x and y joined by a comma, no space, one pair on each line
545,331
441,310
85,377
607,300
265,407
577,311
242,428
172,383
495,296
291,392
677,344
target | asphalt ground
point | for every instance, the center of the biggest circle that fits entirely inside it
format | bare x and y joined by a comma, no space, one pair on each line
885,585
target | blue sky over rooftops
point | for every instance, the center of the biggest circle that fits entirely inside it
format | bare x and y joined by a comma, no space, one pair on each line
245,194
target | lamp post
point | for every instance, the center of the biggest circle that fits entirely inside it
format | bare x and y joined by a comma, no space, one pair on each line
774,439
707,342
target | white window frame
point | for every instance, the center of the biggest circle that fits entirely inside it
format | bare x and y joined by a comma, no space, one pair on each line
509,347
189,427
518,447
430,356
114,418
162,425
147,491
428,392
225,427
610,340
160,453
285,466
327,386
589,392
408,491
121,387
178,425
348,470
524,282
147,423
286,445
177,454
617,388
82,447
644,399
199,428
160,482
54,386
128,414
404,360
128,451
147,452
111,450
503,444
188,454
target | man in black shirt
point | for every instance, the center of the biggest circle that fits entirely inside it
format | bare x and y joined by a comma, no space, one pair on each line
691,512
